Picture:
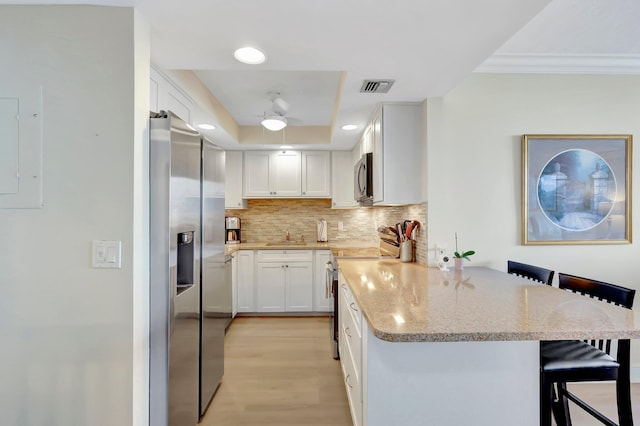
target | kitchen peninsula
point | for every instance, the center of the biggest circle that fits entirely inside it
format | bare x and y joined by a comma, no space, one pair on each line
420,346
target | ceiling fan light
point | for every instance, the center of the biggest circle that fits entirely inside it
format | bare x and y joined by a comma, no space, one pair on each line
249,55
274,123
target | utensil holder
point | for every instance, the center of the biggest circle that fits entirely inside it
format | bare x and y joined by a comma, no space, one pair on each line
406,251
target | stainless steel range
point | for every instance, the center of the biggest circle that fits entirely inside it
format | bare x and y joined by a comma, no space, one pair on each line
331,287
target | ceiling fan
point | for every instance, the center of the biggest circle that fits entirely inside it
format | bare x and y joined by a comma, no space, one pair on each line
275,119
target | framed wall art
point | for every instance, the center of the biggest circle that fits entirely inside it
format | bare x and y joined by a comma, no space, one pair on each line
576,189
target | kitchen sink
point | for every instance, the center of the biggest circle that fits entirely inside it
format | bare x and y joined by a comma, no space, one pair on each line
288,243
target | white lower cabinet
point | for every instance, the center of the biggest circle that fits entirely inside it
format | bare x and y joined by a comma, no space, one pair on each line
270,287
322,297
298,287
246,279
284,281
350,346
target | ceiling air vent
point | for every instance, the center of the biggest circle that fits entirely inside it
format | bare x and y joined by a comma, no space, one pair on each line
376,86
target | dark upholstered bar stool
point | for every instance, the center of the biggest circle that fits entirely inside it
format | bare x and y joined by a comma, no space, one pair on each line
566,361
530,272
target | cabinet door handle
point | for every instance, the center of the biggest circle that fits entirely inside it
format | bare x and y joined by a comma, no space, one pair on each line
303,192
352,305
344,286
346,379
346,331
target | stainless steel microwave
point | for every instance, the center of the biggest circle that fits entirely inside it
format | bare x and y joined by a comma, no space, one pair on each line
363,179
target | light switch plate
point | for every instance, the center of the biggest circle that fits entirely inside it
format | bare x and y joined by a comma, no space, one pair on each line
106,254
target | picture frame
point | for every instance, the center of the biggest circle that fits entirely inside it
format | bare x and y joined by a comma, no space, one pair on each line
576,189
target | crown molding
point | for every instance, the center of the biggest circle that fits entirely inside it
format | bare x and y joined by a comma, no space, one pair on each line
560,64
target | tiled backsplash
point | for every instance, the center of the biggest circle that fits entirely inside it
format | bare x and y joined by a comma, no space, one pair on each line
269,220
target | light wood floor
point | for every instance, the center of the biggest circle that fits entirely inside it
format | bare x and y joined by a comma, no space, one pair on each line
601,396
280,371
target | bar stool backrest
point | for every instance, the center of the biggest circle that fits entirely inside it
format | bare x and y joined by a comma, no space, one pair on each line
600,290
535,273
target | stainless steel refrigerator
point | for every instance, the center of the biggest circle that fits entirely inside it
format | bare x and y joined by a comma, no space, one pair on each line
186,208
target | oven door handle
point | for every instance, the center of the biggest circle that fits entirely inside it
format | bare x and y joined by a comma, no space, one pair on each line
328,280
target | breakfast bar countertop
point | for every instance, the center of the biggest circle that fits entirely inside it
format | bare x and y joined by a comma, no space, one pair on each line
407,302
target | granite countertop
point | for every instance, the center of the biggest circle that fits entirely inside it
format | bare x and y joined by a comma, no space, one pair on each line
407,302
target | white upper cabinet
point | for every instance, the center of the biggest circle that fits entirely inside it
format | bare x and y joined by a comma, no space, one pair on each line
316,174
272,174
233,181
397,154
366,144
342,180
378,157
285,176
256,174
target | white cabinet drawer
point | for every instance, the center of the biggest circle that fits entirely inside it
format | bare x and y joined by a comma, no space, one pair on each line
351,341
352,337
285,255
351,306
354,395
352,385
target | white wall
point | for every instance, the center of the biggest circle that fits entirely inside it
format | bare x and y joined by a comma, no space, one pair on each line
140,255
474,171
67,330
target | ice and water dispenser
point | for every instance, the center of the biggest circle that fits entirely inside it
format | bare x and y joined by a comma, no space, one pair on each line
185,267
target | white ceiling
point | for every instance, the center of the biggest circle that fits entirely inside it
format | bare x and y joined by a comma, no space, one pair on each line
246,93
427,46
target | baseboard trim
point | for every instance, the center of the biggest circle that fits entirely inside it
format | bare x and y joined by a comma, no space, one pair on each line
284,314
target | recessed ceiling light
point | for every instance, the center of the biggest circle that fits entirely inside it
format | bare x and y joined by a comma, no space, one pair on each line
285,147
349,127
206,126
249,55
